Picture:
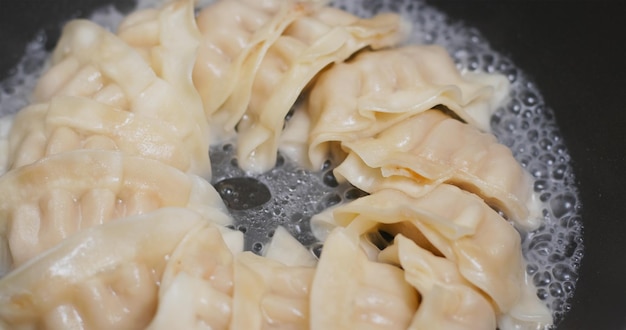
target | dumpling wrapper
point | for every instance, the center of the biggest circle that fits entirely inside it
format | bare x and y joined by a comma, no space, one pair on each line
105,277
457,225
236,35
287,250
269,294
431,148
69,123
389,86
448,301
196,289
294,140
91,62
6,122
351,292
308,45
46,202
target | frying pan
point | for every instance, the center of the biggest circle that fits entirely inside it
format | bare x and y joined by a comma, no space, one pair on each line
575,55
573,51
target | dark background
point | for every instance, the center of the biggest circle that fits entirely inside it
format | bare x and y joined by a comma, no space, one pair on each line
575,53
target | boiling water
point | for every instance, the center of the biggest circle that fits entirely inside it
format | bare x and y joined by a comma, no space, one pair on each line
553,252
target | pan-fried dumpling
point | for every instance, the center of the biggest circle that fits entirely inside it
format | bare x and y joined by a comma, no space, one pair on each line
94,63
236,35
43,203
390,86
169,37
172,56
307,46
196,289
70,123
448,301
105,277
269,294
431,148
459,226
351,292
89,59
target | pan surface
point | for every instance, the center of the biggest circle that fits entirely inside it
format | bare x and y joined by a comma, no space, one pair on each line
574,53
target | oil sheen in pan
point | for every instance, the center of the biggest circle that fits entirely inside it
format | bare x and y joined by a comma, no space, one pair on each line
289,196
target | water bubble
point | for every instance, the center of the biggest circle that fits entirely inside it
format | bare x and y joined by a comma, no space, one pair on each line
545,144
354,193
257,247
330,200
559,172
542,294
243,193
316,249
562,204
563,272
541,244
531,269
542,279
556,257
556,290
541,185
529,98
329,179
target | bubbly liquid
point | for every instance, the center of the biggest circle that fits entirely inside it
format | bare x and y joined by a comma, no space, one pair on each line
553,252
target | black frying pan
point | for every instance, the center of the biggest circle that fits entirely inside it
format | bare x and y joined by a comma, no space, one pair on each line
573,51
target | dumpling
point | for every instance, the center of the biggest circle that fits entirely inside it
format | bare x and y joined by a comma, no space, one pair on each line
196,289
69,123
236,35
431,148
287,250
307,46
91,62
169,39
293,142
448,301
6,122
459,226
44,203
269,294
390,86
351,292
105,277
